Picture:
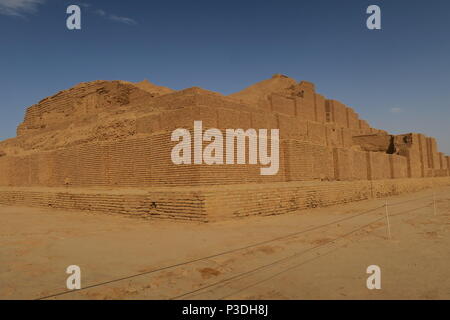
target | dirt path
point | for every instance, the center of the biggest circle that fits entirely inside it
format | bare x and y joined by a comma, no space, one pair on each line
314,254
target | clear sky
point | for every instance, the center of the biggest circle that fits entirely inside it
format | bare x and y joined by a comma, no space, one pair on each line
397,78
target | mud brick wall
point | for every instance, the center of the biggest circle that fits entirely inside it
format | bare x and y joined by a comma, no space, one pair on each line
216,202
232,174
372,142
281,198
347,137
329,111
56,106
414,157
333,135
155,156
194,97
412,146
340,113
360,165
317,133
352,119
443,161
211,117
399,166
4,169
337,112
364,125
423,154
343,160
176,100
264,121
378,166
416,148
433,159
320,108
306,161
167,204
235,174
441,172
84,165
83,101
283,105
349,164
355,132
207,98
148,124
125,163
18,171
230,119
292,128
306,103
310,128
383,188
263,105
306,109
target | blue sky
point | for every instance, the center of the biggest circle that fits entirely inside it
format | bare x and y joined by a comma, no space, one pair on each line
397,78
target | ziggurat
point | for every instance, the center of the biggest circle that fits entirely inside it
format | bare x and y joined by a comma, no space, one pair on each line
105,146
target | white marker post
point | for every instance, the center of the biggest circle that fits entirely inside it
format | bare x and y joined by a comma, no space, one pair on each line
387,219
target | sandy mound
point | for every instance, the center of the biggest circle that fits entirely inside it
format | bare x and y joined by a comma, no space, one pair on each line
151,88
261,90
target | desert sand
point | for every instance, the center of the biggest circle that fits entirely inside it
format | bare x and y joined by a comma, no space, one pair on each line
291,256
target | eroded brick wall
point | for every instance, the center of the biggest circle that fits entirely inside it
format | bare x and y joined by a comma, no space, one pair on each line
319,141
217,202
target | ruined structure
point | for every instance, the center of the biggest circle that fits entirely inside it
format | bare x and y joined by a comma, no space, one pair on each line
106,146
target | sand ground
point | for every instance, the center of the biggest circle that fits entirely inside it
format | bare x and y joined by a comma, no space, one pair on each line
313,254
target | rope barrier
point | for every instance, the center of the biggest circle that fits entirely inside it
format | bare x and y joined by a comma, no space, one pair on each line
231,251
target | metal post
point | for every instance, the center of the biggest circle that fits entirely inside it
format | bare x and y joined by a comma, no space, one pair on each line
387,219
